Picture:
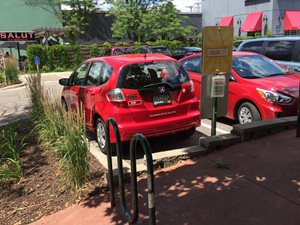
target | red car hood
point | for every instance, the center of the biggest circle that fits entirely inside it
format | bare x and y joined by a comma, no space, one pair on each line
285,84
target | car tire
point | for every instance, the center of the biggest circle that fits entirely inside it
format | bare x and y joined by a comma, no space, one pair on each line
101,135
64,105
248,113
186,133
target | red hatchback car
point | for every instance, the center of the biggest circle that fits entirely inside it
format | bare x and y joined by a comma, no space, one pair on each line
259,88
151,94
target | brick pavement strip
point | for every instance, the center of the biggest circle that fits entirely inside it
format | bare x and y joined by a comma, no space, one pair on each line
261,187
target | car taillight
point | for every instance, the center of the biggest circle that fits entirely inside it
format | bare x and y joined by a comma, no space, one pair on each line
115,95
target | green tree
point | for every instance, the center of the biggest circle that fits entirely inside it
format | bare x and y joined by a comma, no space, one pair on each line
165,22
138,19
128,15
79,14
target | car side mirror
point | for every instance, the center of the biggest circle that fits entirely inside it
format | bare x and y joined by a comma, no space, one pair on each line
64,82
231,77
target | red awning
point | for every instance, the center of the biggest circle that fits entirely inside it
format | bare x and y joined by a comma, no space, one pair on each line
292,20
253,22
226,21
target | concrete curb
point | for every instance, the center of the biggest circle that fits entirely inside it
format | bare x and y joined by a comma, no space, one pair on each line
260,129
13,86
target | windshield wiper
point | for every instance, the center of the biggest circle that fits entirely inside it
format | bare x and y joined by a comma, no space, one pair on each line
278,74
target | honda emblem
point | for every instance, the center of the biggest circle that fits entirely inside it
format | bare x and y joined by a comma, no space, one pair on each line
161,89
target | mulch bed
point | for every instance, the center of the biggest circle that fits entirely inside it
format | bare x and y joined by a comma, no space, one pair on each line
39,192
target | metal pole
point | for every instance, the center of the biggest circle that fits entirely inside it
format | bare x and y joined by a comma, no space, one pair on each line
19,55
298,117
110,169
214,116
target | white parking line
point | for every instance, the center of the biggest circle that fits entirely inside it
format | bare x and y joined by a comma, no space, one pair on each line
218,129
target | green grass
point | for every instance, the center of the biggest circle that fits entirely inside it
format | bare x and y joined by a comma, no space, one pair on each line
10,162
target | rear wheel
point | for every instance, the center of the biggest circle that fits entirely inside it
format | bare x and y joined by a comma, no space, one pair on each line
247,113
101,136
64,105
186,133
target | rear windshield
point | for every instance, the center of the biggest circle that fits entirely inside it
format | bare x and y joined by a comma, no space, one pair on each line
138,76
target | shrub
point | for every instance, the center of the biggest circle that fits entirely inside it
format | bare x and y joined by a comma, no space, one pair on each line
10,163
94,50
36,50
73,145
2,77
61,133
11,71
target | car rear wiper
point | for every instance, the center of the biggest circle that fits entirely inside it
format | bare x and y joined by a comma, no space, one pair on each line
173,87
152,85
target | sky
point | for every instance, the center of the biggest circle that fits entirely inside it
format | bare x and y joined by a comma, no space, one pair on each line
180,5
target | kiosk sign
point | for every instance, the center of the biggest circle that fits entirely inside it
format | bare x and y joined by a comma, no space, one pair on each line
217,49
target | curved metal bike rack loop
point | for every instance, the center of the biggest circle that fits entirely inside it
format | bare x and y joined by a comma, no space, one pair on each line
137,138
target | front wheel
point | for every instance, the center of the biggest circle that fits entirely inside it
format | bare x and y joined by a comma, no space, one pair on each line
247,113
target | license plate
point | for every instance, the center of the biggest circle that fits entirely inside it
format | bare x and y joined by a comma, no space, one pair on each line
161,100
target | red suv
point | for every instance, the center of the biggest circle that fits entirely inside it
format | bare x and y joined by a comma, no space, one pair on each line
258,87
151,94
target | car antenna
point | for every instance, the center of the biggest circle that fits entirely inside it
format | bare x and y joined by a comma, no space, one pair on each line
146,50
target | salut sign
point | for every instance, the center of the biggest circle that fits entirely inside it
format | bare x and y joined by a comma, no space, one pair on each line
17,36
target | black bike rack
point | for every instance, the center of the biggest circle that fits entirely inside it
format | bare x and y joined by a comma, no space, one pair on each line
137,138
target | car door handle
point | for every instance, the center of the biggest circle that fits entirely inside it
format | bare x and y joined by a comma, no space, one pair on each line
93,94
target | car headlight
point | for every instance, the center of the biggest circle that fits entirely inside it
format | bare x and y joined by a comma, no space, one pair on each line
274,97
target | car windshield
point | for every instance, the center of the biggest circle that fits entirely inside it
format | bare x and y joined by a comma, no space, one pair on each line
256,66
160,50
121,51
143,75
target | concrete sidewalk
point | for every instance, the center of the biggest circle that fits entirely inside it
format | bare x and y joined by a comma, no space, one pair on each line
262,187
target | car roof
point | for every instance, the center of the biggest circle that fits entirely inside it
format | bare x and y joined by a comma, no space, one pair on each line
121,60
233,54
285,38
192,48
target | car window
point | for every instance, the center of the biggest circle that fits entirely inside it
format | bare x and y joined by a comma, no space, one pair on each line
256,66
192,64
253,46
138,76
93,77
79,75
106,73
280,50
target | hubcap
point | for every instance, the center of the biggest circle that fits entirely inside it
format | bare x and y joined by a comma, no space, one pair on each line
245,115
101,137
